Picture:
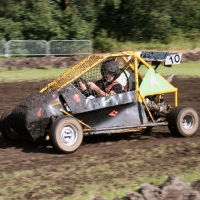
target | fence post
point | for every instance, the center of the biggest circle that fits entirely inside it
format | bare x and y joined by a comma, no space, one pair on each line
7,49
2,47
90,46
48,49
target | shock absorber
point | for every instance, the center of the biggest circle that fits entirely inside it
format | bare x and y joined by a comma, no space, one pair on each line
161,98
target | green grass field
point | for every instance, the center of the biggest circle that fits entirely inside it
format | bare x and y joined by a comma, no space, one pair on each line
190,69
30,74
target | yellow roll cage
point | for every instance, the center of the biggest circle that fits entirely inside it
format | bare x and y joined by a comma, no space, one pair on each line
95,60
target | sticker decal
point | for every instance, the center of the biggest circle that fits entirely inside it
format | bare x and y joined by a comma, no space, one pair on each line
53,96
108,100
39,113
113,113
76,98
150,56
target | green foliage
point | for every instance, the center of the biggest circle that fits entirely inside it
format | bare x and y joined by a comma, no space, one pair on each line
151,20
102,42
140,21
37,21
13,31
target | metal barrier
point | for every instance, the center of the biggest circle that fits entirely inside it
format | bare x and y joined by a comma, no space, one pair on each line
69,47
26,48
45,48
2,47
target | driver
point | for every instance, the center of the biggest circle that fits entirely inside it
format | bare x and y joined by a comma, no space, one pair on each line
108,85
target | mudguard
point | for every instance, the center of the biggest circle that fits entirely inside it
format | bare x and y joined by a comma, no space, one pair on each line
31,117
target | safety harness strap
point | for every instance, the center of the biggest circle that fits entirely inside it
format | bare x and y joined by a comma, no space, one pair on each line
109,88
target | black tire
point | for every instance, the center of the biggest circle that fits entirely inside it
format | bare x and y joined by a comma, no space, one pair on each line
183,121
66,134
6,128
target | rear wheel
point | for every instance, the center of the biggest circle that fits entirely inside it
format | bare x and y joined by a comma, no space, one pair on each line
7,130
66,134
183,121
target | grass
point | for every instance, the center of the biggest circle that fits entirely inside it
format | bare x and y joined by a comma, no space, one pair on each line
113,45
30,74
182,70
158,46
85,178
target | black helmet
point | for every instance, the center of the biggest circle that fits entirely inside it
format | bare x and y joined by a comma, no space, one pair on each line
110,66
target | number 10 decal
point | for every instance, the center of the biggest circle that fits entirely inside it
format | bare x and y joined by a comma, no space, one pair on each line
173,59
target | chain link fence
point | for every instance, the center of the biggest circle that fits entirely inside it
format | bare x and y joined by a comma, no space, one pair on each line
2,47
26,48
44,48
69,47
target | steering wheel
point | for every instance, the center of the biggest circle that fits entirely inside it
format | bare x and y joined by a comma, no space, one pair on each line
83,86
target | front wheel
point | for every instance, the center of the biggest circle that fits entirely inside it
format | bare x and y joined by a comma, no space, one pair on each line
7,130
66,134
183,121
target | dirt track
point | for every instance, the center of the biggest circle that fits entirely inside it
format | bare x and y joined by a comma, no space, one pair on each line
13,93
26,155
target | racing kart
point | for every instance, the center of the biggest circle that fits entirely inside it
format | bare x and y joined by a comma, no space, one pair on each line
63,113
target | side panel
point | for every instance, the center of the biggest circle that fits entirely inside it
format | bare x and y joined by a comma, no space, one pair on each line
122,115
109,101
78,103
73,97
154,83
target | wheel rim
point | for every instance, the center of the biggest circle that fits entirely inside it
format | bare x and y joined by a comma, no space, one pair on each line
69,135
188,122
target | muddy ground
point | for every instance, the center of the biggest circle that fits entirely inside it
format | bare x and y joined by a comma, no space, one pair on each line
26,155
68,61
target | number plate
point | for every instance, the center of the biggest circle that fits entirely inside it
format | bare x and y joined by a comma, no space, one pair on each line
173,59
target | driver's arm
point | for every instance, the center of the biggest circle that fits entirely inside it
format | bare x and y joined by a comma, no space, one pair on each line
99,92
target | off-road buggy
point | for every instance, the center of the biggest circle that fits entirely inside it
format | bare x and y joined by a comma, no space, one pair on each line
64,113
